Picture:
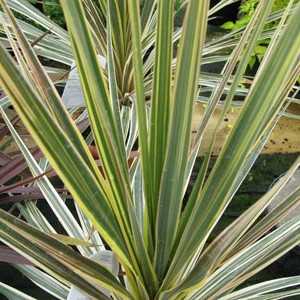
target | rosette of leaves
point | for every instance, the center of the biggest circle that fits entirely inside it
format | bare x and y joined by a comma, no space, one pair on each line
142,100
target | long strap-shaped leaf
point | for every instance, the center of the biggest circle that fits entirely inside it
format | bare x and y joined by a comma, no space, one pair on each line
146,11
112,80
160,102
12,293
121,41
227,240
111,147
253,259
172,181
271,219
97,25
260,254
263,288
27,9
57,258
44,281
277,296
48,90
248,41
263,98
56,203
62,155
96,97
135,27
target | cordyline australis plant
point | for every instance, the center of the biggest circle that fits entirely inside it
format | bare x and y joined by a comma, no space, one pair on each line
144,97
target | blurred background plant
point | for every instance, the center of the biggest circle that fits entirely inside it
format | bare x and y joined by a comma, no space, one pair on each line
246,11
52,9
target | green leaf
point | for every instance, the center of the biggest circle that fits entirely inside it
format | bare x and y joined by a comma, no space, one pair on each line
237,63
261,50
161,93
228,25
56,203
231,238
135,28
253,259
99,107
29,11
44,281
57,258
262,104
112,80
271,219
12,293
259,289
108,140
252,61
172,181
47,89
62,154
244,264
